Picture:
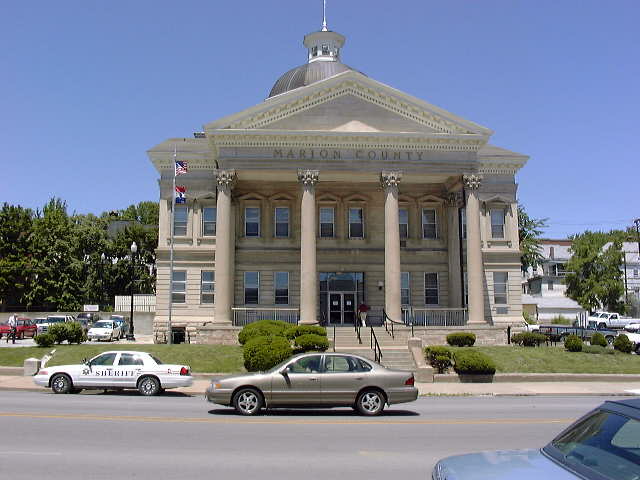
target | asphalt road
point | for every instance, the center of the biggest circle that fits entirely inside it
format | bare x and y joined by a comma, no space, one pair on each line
125,435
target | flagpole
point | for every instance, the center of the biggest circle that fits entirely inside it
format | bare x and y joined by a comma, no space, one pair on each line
173,208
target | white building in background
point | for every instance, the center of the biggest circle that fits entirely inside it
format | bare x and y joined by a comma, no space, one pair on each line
631,270
544,292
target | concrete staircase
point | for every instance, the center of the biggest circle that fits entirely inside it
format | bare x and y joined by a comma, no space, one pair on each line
395,351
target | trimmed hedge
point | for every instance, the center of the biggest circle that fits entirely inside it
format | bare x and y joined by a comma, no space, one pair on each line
264,352
473,362
528,339
431,353
72,332
623,344
295,331
597,349
263,328
442,363
43,340
598,339
461,339
573,343
310,342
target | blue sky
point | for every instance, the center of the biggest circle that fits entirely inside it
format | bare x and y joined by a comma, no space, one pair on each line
88,86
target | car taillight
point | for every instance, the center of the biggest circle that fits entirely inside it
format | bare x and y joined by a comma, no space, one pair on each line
410,381
184,371
42,372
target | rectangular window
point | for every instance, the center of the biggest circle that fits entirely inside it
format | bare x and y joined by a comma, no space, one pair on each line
207,287
431,289
282,222
209,221
500,280
403,215
179,286
635,272
429,226
281,281
180,217
463,221
252,222
251,288
356,223
327,221
497,222
405,291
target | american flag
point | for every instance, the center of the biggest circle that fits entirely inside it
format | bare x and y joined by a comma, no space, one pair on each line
181,194
181,167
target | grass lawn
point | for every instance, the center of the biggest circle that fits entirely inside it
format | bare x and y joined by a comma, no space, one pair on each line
201,358
513,359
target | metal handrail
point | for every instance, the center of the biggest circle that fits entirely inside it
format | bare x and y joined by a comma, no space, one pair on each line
334,338
391,322
357,329
375,346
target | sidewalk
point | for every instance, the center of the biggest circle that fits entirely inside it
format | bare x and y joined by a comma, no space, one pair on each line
11,382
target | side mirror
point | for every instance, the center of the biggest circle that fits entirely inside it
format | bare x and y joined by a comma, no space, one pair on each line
85,361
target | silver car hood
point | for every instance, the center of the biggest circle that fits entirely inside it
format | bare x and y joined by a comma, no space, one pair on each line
502,465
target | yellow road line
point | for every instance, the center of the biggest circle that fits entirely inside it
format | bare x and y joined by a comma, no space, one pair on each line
281,421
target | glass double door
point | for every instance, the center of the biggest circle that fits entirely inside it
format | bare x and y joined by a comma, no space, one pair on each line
342,308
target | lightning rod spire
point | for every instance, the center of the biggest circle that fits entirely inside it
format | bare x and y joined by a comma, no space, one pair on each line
324,15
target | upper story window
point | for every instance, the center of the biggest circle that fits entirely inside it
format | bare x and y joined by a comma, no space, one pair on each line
635,272
500,281
207,287
314,51
356,223
281,288
497,222
403,215
327,222
179,286
463,222
251,288
429,225
208,221
282,222
252,222
405,291
431,289
325,49
180,217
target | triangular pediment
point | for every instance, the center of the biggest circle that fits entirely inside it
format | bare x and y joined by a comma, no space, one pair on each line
349,102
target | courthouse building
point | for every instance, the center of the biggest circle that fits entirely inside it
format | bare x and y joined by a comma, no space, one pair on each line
337,191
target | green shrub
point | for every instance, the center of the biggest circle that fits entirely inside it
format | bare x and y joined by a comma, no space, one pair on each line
473,362
461,339
43,340
310,342
597,349
623,344
573,343
74,333
598,339
528,318
58,332
528,339
442,363
263,328
431,353
560,320
298,330
262,353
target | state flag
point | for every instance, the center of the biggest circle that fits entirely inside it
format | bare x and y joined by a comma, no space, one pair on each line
181,194
181,167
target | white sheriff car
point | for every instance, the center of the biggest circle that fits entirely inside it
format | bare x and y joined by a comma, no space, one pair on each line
116,370
105,330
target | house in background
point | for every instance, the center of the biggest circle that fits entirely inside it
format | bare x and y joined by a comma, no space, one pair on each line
543,289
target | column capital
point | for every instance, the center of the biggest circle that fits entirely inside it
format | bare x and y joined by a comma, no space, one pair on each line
226,178
308,178
390,179
472,182
454,199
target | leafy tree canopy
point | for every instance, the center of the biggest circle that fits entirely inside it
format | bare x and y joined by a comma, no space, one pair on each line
529,231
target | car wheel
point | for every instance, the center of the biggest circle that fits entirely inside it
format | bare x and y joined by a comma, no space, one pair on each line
370,402
610,339
61,383
602,325
247,401
149,386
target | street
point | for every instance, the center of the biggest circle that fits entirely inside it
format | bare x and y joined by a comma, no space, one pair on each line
124,435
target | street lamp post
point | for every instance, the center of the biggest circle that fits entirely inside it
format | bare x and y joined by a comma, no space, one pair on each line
134,249
101,295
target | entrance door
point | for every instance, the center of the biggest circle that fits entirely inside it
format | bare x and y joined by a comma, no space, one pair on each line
348,308
342,308
335,309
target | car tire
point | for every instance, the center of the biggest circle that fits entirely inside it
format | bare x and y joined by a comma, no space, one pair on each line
602,325
248,401
61,383
149,386
370,402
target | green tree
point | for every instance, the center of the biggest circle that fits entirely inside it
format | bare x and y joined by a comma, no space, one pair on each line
15,254
529,230
594,278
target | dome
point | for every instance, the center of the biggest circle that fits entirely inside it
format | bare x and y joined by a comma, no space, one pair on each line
306,75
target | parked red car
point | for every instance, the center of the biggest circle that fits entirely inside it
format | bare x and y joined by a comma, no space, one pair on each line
25,328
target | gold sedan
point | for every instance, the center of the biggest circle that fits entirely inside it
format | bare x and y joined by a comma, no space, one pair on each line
316,380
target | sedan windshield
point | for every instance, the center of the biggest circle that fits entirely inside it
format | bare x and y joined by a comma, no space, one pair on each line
606,443
55,319
103,324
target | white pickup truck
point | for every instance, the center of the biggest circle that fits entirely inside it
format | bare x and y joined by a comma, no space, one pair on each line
611,320
635,339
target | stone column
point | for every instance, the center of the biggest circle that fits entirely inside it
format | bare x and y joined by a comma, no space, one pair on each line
225,246
454,202
392,300
475,269
308,265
